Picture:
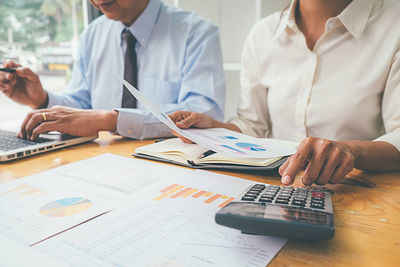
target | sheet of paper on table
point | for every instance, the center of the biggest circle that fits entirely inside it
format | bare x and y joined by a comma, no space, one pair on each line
38,206
14,254
170,222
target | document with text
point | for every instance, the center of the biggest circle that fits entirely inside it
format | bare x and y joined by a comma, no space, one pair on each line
169,222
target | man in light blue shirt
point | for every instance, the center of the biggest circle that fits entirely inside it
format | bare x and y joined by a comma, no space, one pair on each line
179,67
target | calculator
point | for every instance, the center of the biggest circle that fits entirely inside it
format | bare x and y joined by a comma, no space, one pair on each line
298,213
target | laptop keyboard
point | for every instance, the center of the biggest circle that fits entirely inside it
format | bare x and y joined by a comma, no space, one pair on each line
9,141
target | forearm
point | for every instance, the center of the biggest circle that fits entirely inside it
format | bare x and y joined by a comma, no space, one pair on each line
374,155
107,120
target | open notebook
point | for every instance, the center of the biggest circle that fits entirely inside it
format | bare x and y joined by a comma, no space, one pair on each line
194,156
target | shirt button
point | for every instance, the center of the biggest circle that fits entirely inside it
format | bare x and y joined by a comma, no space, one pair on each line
129,132
331,25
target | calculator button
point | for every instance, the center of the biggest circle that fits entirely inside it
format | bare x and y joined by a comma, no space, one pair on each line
268,195
258,186
288,188
254,192
281,201
299,199
265,200
250,195
319,200
248,198
271,190
299,203
274,186
317,206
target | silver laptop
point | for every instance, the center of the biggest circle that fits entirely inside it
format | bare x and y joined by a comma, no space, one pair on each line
12,147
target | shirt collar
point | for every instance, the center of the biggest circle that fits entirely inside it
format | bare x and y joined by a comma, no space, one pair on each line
286,20
144,24
354,17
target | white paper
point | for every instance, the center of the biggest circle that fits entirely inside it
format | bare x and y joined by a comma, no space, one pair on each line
41,205
14,254
171,223
224,141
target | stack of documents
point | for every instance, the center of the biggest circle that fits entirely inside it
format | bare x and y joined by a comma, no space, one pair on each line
116,211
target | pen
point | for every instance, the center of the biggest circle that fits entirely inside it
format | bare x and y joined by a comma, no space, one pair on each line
10,70
207,153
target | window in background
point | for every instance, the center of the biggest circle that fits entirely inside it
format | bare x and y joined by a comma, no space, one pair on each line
42,35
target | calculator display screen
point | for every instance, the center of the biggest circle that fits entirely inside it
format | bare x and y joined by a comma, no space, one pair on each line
276,212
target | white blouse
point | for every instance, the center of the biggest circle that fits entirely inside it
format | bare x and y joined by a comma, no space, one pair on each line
347,88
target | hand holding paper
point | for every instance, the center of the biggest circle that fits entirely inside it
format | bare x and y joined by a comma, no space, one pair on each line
224,141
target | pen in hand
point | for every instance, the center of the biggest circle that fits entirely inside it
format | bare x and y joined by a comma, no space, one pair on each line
10,70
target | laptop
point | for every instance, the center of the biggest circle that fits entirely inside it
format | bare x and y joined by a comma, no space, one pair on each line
12,147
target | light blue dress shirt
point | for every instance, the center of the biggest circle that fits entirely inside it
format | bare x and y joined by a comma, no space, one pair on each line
179,68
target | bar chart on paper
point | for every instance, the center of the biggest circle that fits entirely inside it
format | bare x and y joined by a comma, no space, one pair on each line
179,191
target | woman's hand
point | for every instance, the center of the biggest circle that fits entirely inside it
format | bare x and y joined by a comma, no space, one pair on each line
324,162
187,119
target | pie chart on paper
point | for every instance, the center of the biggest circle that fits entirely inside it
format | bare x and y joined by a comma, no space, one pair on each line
249,146
65,207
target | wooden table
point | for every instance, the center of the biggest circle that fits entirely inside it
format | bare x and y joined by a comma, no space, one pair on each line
367,219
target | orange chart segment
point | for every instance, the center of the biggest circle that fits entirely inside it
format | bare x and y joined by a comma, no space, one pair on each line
65,207
176,191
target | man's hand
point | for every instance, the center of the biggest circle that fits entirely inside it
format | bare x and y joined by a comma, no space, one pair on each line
324,162
23,86
78,122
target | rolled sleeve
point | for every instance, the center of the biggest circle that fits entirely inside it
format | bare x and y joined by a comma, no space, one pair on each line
391,105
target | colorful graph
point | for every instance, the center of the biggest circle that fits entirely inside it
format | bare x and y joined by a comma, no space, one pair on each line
65,207
228,137
249,146
233,149
174,191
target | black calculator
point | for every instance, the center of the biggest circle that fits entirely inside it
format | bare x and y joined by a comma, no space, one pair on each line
298,213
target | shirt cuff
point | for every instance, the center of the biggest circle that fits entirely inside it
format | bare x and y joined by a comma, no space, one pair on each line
392,138
129,124
139,124
53,100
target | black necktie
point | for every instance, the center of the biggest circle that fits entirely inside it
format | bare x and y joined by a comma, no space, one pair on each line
130,73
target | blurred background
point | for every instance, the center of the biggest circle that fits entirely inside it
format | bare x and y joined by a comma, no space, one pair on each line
44,34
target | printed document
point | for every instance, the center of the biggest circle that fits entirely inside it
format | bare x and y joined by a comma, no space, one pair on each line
14,254
170,222
224,141
39,206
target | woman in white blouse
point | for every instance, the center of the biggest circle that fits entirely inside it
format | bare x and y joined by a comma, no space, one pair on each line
326,73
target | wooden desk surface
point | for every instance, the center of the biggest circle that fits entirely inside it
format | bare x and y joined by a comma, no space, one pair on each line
367,220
